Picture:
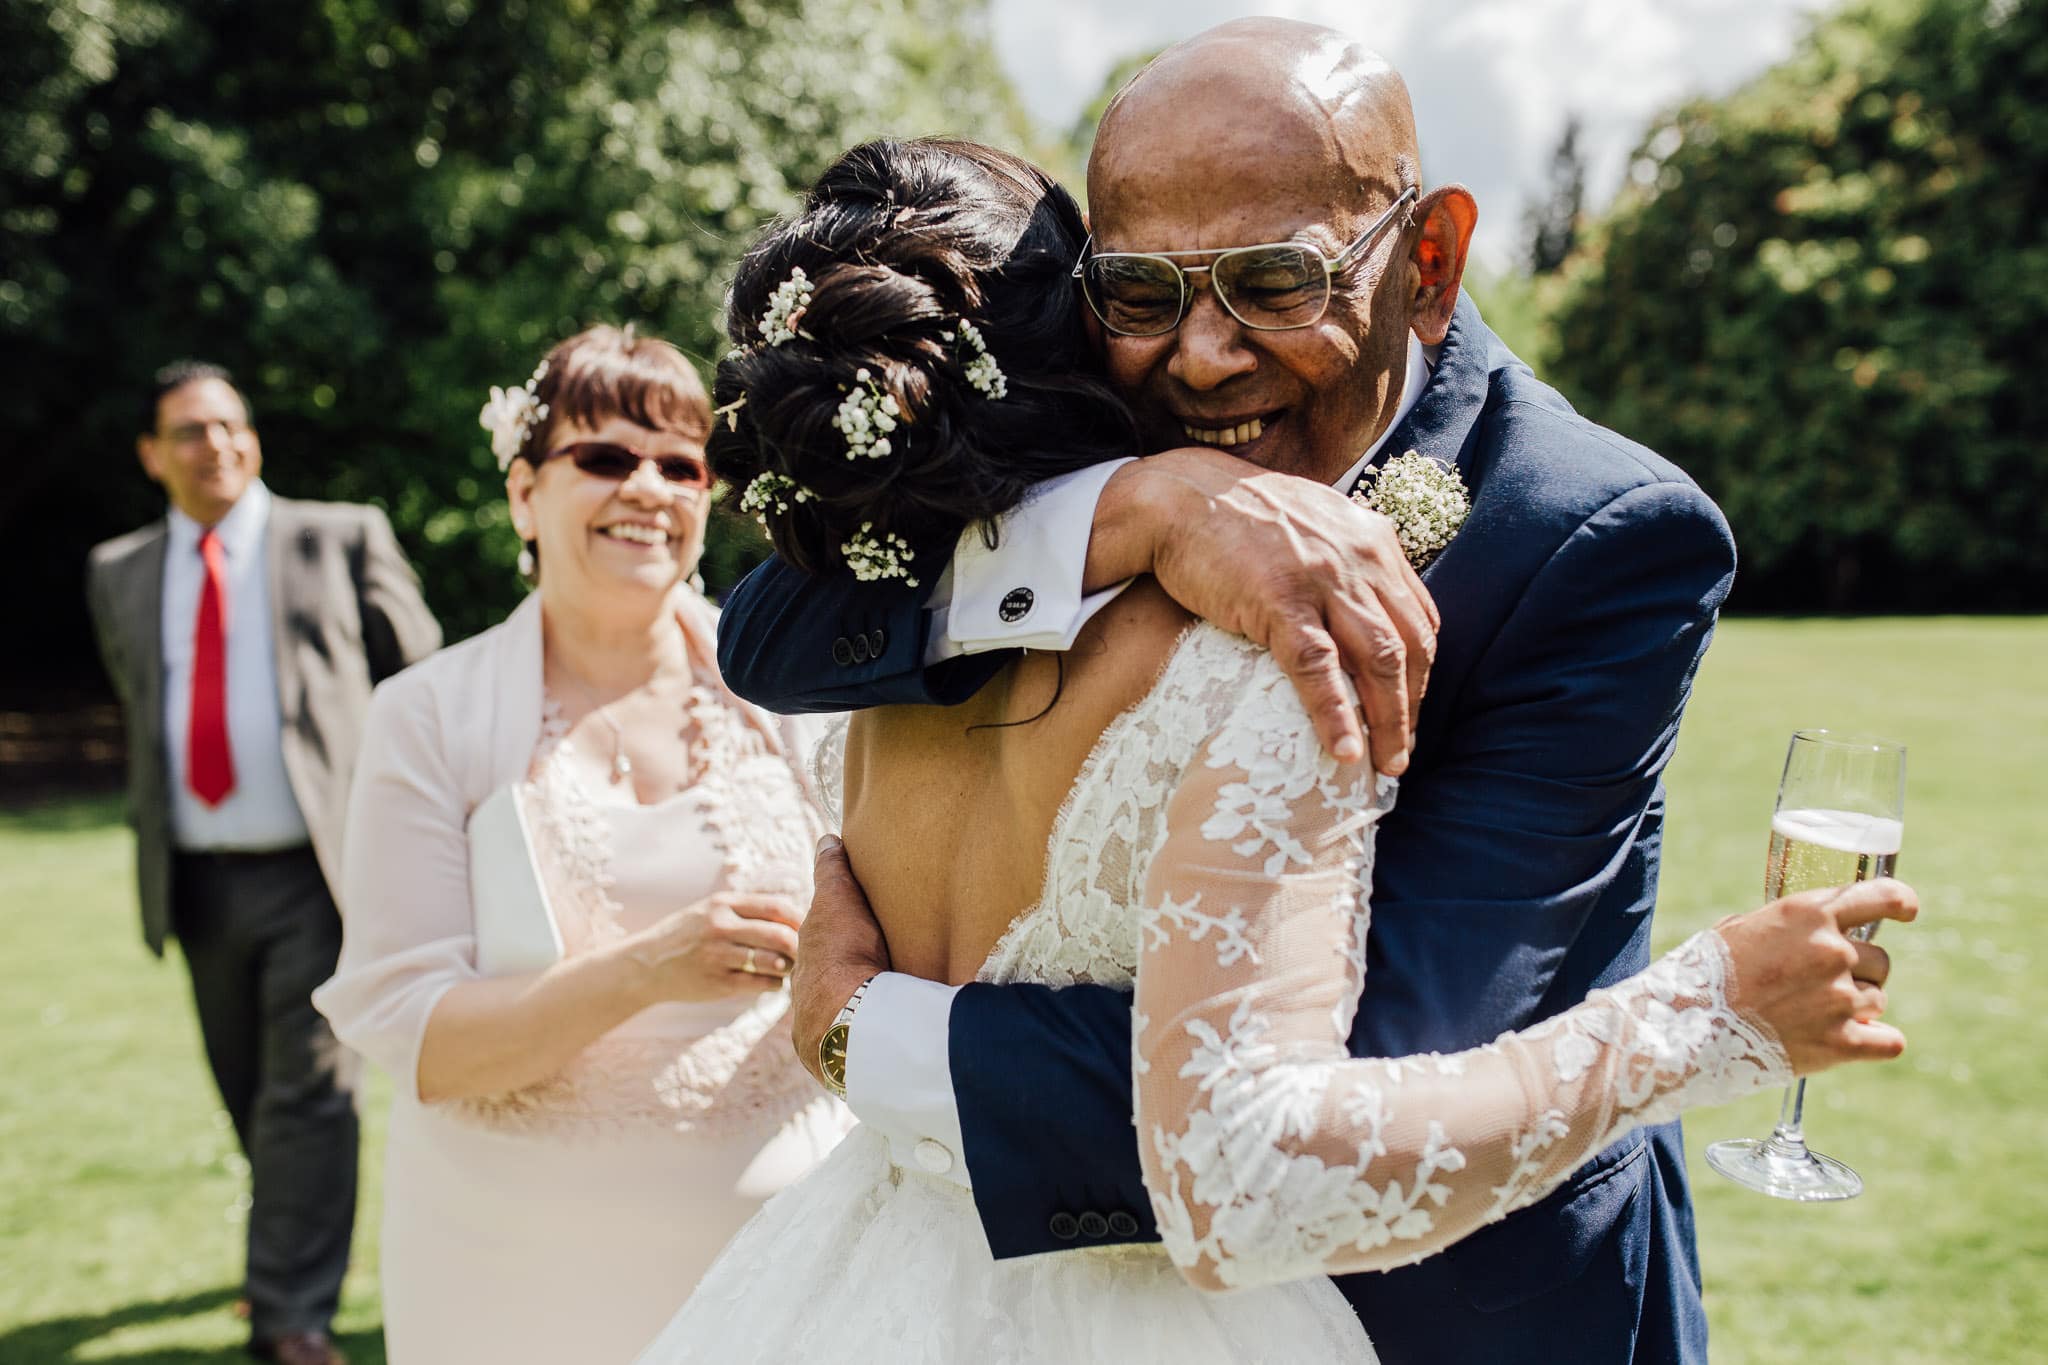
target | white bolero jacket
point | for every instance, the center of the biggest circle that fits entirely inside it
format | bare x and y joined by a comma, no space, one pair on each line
441,737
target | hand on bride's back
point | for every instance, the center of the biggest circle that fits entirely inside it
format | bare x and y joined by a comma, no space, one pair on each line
703,951
1819,990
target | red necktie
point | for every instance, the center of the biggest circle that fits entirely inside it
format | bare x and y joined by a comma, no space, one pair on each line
209,765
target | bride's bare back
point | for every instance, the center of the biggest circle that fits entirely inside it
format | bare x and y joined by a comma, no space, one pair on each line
948,809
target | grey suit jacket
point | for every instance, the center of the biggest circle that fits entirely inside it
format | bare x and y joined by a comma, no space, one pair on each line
346,614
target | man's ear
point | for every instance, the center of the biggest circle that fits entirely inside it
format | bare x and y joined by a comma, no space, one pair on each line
146,453
1448,216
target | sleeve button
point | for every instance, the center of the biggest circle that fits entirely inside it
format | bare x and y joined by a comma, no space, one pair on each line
1122,1224
1094,1224
860,649
842,652
1064,1226
933,1156
876,639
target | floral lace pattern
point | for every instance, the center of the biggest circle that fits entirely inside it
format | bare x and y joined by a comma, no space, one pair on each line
1269,1151
741,1078
1210,852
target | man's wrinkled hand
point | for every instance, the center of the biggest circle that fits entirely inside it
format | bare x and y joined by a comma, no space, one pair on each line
1319,581
840,946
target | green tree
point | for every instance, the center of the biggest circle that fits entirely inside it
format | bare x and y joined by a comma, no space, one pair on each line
1552,222
373,211
1080,138
1827,298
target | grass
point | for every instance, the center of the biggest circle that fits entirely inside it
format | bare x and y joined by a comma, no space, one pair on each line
121,1187
119,1182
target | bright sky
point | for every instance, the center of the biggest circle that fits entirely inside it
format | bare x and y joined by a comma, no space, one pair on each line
1492,80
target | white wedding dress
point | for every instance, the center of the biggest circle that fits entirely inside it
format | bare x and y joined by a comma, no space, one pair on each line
1212,856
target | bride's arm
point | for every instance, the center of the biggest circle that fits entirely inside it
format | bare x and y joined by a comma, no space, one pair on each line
1271,1154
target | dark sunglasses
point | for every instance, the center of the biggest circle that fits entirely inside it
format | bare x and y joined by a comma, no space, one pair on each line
607,460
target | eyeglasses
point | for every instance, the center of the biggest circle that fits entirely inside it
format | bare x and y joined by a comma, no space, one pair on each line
606,460
1270,287
192,433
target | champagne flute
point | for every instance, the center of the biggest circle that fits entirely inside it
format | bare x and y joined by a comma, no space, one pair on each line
1840,818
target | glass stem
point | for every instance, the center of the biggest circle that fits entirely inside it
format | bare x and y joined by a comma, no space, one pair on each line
1788,1136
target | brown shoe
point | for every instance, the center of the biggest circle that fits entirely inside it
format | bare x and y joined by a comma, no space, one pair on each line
299,1348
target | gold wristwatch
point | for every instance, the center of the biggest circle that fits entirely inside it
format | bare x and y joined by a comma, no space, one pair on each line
832,1047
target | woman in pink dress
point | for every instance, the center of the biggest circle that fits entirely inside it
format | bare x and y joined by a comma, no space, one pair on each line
569,1147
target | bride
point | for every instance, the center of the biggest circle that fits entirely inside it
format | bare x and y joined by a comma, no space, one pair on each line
1149,810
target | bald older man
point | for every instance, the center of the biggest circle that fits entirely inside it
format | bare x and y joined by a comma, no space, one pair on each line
1518,870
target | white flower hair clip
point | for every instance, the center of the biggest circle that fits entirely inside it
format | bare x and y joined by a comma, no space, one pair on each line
1424,498
982,372
511,414
786,309
866,417
771,492
871,558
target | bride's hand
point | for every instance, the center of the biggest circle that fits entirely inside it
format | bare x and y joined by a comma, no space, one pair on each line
724,945
1817,989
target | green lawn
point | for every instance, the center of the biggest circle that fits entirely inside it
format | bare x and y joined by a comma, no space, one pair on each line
120,1231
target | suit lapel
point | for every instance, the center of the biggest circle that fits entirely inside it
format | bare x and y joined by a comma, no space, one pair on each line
279,540
1442,422
1444,425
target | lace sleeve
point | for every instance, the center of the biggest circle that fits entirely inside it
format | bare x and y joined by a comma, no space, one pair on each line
1272,1154
827,771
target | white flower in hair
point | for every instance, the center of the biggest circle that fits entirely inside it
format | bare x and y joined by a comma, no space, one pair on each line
870,558
511,414
982,371
1424,498
865,418
785,309
771,492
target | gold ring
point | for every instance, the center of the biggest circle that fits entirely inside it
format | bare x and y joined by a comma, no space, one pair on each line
748,966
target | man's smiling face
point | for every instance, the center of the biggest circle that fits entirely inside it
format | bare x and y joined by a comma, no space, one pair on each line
1264,132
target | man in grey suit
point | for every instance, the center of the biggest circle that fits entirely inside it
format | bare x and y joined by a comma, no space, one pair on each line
244,632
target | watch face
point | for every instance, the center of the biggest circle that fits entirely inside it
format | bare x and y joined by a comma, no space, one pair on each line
832,1054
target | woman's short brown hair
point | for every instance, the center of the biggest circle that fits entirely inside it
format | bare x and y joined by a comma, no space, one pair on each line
604,372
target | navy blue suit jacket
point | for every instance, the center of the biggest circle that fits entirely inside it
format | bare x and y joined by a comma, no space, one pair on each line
1516,873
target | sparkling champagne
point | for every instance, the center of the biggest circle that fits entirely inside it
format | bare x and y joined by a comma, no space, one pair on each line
1811,848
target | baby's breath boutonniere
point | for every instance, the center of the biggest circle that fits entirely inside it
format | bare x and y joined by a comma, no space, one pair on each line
1423,497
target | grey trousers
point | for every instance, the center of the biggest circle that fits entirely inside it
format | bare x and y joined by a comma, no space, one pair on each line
259,932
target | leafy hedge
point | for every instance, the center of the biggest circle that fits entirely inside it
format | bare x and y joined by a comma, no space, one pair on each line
372,211
1827,298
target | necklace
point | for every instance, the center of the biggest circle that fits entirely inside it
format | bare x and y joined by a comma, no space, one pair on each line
622,766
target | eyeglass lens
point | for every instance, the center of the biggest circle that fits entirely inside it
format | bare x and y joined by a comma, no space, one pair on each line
190,433
1267,287
604,460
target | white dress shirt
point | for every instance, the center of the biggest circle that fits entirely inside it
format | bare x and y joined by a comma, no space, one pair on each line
260,814
1024,594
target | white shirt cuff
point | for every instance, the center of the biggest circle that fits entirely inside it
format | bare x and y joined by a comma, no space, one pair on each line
1027,592
899,1078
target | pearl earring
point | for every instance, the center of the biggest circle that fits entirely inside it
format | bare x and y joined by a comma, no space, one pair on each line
526,563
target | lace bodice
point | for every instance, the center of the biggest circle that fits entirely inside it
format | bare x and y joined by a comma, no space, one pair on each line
1213,855
745,824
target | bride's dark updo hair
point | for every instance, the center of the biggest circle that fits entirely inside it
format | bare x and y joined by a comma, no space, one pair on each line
901,242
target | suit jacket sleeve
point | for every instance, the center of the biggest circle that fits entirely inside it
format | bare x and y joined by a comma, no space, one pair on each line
1542,785
104,629
794,644
398,627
